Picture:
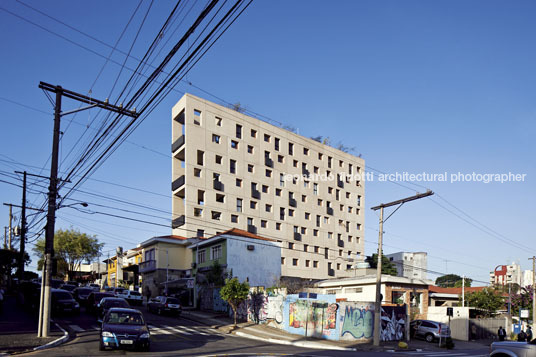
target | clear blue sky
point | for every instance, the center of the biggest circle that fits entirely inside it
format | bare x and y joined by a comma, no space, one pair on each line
414,86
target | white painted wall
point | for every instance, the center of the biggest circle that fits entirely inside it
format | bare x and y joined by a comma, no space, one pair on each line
459,323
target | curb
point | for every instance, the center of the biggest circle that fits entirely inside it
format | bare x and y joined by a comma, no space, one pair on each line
296,344
56,342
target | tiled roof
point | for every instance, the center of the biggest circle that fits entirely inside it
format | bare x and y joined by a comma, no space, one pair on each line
242,233
172,237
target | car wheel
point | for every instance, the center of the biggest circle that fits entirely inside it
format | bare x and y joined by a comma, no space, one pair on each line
429,337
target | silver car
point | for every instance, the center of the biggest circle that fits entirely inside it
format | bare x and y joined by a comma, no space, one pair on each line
429,330
513,349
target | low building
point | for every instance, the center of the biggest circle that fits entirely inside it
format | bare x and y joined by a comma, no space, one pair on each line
167,264
448,296
250,257
410,265
394,290
122,269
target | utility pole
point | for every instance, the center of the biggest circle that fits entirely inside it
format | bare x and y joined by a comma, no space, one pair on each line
53,188
463,292
22,229
533,292
10,227
378,302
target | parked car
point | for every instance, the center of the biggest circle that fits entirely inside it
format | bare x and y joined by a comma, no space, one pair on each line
94,298
513,349
120,292
81,294
133,297
95,287
124,328
164,304
63,302
108,302
429,330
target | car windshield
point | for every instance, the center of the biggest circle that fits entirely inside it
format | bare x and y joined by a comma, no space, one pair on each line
62,295
172,301
124,318
114,303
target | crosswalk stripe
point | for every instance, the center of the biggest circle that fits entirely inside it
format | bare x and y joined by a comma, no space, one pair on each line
196,331
159,330
178,330
94,327
76,328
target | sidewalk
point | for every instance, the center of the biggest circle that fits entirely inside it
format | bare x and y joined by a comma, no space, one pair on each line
274,335
18,329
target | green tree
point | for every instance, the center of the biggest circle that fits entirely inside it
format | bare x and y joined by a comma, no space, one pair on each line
234,292
452,280
71,248
387,266
488,300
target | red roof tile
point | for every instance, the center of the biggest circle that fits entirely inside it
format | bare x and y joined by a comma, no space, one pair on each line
242,233
438,289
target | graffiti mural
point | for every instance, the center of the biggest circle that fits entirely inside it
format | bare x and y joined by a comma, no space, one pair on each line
218,303
357,321
298,313
393,321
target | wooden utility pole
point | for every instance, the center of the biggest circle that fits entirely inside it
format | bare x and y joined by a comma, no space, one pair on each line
44,329
378,302
533,292
22,229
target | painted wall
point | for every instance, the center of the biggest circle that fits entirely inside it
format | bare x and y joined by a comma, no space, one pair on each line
262,265
312,317
356,321
459,322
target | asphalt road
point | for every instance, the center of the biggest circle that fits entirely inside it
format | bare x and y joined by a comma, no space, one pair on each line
178,336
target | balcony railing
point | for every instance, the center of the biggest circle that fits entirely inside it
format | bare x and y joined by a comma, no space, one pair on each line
147,266
297,236
252,229
340,243
331,272
177,144
329,210
178,222
178,183
268,162
292,202
256,194
340,183
218,185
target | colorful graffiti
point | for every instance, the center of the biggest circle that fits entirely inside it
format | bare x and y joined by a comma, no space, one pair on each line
393,321
357,322
298,312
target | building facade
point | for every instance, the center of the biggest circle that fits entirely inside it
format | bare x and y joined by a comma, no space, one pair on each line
410,265
231,170
506,274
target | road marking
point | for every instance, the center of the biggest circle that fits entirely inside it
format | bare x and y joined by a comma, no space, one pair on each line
95,327
76,328
195,331
159,330
178,329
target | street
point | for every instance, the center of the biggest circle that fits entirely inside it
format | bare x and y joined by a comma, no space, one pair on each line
182,336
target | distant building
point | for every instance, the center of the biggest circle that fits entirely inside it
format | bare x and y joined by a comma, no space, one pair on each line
506,274
410,265
449,296
527,278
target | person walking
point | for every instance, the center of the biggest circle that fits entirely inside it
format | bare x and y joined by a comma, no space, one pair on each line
501,333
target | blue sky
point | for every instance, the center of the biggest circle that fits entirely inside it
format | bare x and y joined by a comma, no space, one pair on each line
414,86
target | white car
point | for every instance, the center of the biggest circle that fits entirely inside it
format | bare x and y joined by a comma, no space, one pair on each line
513,349
133,297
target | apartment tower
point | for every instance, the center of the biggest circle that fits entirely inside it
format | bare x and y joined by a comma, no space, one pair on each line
234,171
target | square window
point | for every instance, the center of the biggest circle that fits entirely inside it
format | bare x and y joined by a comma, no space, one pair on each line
291,212
253,133
315,264
307,263
197,172
220,198
304,198
295,261
234,144
280,158
234,218
218,159
278,192
216,138
278,226
264,223
268,173
268,208
267,138
198,212
305,151
264,189
252,204
250,149
282,260
315,232
307,216
216,215
218,121
250,168
238,182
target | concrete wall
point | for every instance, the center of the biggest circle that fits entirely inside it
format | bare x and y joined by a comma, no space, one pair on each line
459,323
261,266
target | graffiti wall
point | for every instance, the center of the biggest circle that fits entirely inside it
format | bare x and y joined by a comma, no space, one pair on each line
393,322
312,317
219,305
356,321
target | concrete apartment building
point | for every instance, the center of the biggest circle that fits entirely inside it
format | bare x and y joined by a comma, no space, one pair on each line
234,171
410,265
506,274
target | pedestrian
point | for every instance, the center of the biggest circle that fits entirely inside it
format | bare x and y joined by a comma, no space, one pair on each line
529,334
501,333
521,336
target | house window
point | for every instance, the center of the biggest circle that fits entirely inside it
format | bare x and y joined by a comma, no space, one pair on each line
197,117
232,166
268,208
282,260
307,263
290,245
290,148
282,180
252,204
316,248
264,189
276,144
320,156
315,169
315,232
200,157
295,262
238,182
268,173
253,133
307,216
305,247
218,159
197,172
250,168
281,213
238,131
234,218
264,223
200,197
216,252
198,212
220,198
250,221
216,215
330,235
218,121
201,256
358,226
315,188
150,254
304,198
250,149
329,162
315,264
234,144
238,205
200,233
267,138
216,138
330,190
291,212
359,200
303,230
278,192
280,158
278,226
